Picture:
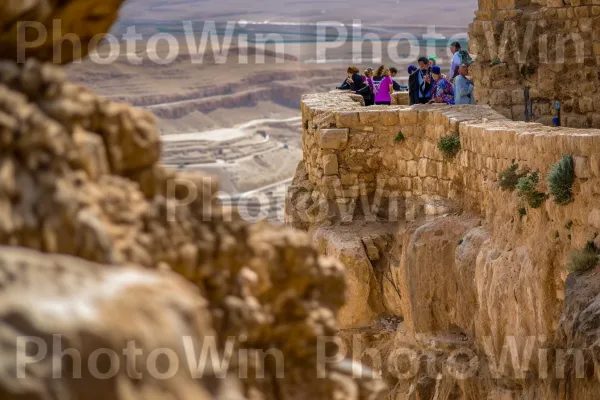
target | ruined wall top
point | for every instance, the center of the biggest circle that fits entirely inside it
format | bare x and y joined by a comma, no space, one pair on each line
385,162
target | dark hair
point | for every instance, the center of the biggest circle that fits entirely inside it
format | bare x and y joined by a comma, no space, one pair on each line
393,70
353,70
455,44
423,60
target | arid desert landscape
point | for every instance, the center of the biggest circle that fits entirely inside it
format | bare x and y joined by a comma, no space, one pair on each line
237,116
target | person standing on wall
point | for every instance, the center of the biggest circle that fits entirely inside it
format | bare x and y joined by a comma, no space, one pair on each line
463,87
420,83
383,86
367,92
442,92
456,62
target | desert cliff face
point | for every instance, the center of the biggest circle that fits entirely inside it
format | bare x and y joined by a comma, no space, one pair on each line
449,276
102,247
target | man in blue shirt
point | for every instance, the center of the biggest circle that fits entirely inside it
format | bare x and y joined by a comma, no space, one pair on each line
463,87
420,83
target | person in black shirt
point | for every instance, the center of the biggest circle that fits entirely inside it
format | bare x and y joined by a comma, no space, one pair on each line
397,86
349,81
356,83
420,83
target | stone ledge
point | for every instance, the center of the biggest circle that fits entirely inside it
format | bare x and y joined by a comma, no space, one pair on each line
360,154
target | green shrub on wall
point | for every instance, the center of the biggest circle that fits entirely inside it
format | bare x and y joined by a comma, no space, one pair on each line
561,179
527,190
449,145
399,137
583,260
509,178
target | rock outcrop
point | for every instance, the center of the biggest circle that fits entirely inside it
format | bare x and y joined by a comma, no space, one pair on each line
79,177
54,30
457,286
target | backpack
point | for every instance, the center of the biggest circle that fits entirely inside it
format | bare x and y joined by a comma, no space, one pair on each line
465,57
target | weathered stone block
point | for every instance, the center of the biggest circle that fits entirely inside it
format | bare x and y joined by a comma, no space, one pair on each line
411,168
582,167
349,179
347,120
595,164
422,167
333,139
371,249
330,164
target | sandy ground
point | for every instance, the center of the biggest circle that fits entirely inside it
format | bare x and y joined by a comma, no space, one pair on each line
254,161
226,117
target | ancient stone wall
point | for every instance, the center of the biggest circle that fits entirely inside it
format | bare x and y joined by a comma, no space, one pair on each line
551,47
434,242
353,155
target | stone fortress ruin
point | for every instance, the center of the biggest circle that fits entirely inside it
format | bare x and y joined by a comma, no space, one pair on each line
464,229
448,259
434,244
532,53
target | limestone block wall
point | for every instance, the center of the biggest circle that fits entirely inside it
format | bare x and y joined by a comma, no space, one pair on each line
354,160
551,47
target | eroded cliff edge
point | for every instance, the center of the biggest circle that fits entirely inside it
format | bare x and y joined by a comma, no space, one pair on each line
445,268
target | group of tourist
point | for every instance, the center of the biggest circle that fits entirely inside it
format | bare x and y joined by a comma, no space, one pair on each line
375,86
426,83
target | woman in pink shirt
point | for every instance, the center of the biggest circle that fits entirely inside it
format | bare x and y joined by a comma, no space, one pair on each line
383,86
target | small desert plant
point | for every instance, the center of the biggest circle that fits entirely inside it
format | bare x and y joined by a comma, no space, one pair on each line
509,178
522,212
315,127
495,61
399,137
561,179
449,146
588,258
527,190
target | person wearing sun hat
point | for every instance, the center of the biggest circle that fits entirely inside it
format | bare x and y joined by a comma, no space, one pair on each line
443,91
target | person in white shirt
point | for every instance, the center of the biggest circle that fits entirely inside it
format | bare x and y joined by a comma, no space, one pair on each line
456,61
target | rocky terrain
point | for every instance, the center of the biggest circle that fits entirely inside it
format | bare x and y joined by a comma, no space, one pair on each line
103,248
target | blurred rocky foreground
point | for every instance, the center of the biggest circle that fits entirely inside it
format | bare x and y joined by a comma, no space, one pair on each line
99,255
